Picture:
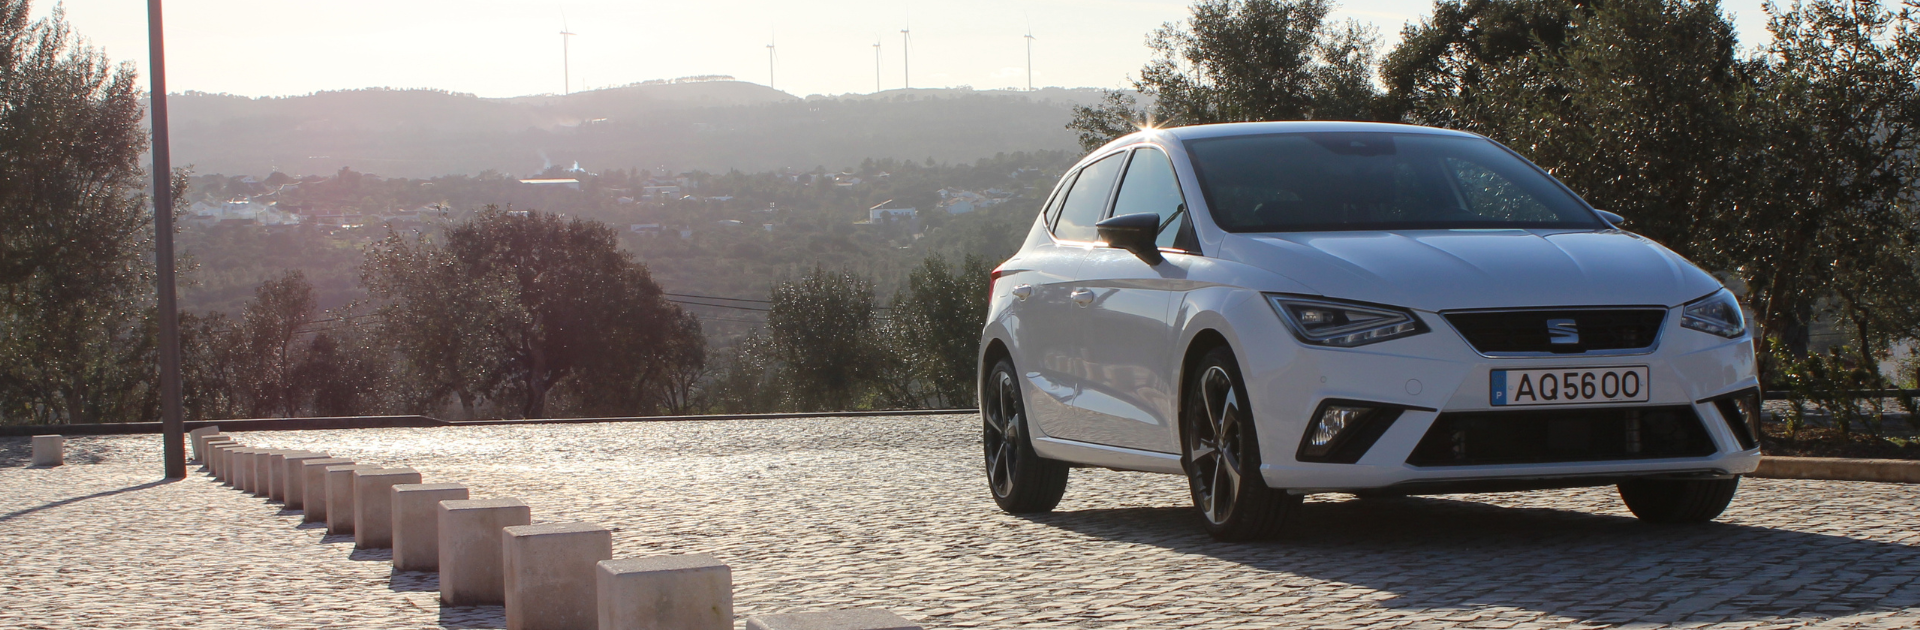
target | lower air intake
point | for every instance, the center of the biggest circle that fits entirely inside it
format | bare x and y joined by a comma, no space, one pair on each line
1562,435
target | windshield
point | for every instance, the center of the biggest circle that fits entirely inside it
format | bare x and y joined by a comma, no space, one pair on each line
1312,182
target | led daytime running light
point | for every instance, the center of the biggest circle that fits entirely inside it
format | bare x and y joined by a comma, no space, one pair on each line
1343,325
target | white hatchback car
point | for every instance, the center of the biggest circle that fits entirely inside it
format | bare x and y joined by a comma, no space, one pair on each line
1280,309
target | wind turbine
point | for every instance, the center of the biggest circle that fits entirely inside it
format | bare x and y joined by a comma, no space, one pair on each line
566,64
770,41
876,66
906,58
1029,56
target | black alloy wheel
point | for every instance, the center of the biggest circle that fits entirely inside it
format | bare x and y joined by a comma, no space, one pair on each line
1222,455
1022,481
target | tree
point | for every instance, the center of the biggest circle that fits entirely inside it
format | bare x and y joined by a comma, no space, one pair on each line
938,317
822,326
1245,60
1640,105
521,305
267,331
1830,212
75,284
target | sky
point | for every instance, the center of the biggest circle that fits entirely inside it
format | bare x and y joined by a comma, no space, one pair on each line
501,48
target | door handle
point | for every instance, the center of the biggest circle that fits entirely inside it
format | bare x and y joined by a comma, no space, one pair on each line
1081,297
1023,292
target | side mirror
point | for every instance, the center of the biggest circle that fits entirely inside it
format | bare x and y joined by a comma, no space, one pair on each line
1134,233
1615,219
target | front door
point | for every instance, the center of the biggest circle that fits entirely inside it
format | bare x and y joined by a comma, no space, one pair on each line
1128,372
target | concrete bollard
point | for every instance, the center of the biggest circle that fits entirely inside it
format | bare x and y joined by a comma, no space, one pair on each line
242,468
470,546
199,438
416,523
340,497
294,479
690,592
373,505
221,451
276,465
550,575
850,619
263,472
313,482
210,453
49,450
250,469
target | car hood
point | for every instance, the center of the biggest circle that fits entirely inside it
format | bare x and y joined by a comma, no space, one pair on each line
1438,270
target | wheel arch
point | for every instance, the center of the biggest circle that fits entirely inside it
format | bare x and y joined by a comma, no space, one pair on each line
1202,342
995,351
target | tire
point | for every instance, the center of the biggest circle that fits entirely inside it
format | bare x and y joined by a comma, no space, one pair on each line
1678,500
1221,453
1021,480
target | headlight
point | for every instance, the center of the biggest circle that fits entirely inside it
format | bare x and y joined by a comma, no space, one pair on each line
1344,324
1718,314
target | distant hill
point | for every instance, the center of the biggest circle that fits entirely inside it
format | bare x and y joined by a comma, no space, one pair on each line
713,125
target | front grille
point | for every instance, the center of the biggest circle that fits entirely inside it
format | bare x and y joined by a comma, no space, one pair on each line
1562,435
1528,332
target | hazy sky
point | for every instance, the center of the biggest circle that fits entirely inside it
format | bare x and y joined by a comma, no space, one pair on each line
511,48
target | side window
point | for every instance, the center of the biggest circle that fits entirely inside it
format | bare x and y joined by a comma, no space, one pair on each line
1087,200
1052,210
1150,187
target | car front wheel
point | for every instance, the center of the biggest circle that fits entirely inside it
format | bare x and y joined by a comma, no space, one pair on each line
1221,455
1022,481
1678,500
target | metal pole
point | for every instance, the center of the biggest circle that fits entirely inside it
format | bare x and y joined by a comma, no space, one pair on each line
172,428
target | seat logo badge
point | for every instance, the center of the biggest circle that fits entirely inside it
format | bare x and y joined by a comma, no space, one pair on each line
1563,332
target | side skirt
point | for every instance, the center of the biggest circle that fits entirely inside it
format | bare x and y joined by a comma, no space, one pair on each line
1115,457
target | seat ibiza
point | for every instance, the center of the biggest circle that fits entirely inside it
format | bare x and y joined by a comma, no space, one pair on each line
1281,309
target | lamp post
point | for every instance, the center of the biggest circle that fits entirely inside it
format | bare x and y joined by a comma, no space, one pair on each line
172,428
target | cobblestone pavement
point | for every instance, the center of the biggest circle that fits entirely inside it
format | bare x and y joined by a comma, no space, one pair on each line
893,512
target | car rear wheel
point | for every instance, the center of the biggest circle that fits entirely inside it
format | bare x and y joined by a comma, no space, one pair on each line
1678,500
1021,480
1221,455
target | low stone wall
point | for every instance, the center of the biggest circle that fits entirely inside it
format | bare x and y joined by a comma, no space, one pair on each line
1839,469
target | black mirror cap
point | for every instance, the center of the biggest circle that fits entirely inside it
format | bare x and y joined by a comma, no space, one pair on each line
1615,219
1134,233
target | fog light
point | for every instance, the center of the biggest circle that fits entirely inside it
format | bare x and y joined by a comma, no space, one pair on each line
1343,430
1332,422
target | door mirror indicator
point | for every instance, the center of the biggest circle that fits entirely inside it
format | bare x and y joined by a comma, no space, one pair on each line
1134,233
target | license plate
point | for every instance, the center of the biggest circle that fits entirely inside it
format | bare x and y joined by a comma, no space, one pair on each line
1512,388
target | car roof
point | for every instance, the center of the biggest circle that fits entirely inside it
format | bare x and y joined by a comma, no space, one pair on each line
1196,132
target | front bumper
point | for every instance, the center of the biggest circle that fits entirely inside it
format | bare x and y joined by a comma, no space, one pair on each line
1439,373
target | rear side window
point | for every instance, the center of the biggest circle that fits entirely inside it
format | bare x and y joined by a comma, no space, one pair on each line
1087,200
1150,188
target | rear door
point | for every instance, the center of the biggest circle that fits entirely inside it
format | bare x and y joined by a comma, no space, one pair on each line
1128,385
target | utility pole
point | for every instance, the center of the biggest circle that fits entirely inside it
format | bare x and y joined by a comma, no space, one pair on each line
172,429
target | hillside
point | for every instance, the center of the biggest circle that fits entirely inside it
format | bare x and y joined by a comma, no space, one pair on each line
714,126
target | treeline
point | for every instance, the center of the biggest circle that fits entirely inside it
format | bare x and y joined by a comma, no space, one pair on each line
526,315
1790,170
